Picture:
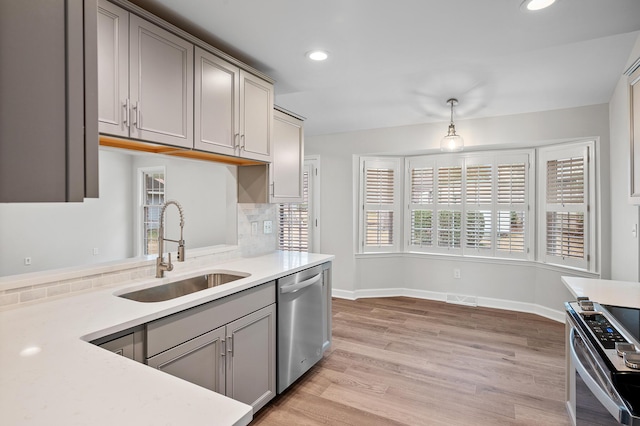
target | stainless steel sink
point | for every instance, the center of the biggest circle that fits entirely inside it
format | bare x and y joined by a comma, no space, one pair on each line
170,291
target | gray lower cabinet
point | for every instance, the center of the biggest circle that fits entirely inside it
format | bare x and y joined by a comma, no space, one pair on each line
129,344
48,101
228,345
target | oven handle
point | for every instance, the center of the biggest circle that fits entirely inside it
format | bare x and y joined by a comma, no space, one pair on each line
299,286
605,399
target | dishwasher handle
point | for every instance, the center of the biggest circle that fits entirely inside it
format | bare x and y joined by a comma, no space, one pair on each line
299,286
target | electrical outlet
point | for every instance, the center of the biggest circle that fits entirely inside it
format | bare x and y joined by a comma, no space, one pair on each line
27,261
268,226
456,273
254,228
96,251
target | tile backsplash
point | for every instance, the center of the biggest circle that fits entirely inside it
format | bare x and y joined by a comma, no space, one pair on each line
259,243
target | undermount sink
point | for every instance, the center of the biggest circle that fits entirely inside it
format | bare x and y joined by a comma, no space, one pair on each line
172,290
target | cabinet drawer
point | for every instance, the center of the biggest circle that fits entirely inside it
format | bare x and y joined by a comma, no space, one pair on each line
173,330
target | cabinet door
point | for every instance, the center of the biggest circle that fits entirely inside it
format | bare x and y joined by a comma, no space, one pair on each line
251,362
113,69
160,85
256,116
123,346
288,159
198,361
46,120
217,93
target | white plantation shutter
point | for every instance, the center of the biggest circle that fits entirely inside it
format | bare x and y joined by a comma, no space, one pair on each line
294,221
512,207
565,214
381,204
449,205
421,190
478,205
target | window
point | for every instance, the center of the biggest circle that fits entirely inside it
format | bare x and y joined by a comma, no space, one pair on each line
298,227
565,214
293,220
468,204
380,190
153,197
481,204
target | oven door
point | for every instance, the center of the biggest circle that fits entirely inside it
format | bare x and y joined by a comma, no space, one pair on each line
597,401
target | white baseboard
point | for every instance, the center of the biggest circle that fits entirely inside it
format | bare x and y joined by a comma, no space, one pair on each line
486,302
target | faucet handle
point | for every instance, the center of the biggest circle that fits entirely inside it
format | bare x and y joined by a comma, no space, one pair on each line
169,264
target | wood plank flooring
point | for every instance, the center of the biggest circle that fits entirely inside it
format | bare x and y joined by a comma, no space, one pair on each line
404,361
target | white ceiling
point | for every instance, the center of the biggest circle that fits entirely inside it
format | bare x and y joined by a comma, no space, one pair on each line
396,62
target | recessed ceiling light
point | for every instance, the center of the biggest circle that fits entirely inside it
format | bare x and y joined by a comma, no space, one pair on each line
537,4
317,55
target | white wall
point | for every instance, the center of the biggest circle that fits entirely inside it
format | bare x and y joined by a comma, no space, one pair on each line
517,283
58,235
624,216
55,235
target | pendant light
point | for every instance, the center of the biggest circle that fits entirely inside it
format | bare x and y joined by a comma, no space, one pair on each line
452,142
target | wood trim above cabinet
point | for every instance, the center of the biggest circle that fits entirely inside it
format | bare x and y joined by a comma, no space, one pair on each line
134,145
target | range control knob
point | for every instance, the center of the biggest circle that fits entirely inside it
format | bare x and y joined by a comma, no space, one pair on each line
586,305
624,348
632,360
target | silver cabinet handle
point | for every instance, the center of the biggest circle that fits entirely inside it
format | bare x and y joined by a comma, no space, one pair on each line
230,350
126,107
242,146
236,144
136,116
299,286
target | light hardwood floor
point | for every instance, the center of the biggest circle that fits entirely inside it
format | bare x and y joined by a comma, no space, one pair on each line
404,361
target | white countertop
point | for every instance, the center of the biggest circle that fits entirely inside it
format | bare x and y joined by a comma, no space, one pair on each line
72,382
605,292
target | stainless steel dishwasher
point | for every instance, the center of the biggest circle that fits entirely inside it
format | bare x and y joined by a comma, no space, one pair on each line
300,324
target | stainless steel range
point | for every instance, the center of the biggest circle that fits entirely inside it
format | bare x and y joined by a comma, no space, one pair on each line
603,384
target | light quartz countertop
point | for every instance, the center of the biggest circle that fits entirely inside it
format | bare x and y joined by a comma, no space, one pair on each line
605,292
50,374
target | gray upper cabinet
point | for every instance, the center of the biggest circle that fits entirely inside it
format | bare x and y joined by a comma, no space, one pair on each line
256,117
48,102
232,109
288,159
153,99
217,98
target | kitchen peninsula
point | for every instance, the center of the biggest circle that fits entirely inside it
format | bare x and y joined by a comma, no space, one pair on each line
51,374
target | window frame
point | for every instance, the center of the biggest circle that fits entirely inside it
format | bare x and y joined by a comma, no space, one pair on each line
556,152
391,163
140,217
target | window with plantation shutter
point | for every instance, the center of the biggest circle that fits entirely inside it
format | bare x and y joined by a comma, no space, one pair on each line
469,204
479,205
380,204
565,215
512,207
294,221
449,206
421,204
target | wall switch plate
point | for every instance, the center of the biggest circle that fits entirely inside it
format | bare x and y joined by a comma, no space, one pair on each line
254,228
96,251
268,226
456,273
